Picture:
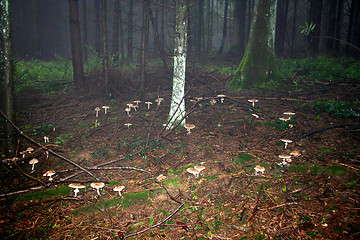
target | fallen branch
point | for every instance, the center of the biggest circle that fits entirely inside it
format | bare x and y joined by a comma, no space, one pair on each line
328,128
156,225
49,150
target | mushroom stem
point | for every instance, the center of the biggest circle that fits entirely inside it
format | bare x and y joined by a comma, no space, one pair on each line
76,192
98,192
33,166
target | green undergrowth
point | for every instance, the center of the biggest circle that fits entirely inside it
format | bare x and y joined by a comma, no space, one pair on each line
334,170
336,108
128,199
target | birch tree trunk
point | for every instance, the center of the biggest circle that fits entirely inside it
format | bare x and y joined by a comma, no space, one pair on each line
258,64
6,71
177,108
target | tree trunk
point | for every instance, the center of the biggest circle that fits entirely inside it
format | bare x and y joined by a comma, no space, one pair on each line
85,39
224,27
330,25
238,45
294,27
104,84
339,21
282,11
6,71
115,32
258,64
353,30
78,68
130,33
177,108
143,43
97,35
315,18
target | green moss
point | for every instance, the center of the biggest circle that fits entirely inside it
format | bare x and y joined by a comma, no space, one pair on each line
244,158
337,170
173,182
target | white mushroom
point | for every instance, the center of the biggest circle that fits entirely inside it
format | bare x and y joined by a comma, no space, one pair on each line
253,101
105,108
97,186
128,125
97,110
33,162
49,174
46,139
127,110
221,96
199,168
193,171
29,149
188,127
160,178
148,104
286,141
259,169
76,186
159,100
118,189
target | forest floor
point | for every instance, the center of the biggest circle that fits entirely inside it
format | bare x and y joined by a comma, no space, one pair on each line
315,196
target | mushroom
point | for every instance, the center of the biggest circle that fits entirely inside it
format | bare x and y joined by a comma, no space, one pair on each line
213,101
188,127
29,149
128,125
118,189
199,168
199,98
253,101
286,141
259,169
97,110
285,158
46,139
33,162
255,115
76,186
284,119
289,113
127,110
221,96
105,108
23,153
148,104
137,102
160,178
159,100
295,153
193,171
97,186
49,174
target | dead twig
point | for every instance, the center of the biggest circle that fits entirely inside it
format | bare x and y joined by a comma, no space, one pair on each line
328,128
256,207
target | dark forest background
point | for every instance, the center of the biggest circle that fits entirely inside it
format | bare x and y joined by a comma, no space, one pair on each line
40,29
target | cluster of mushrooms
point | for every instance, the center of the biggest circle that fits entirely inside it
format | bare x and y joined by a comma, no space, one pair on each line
96,186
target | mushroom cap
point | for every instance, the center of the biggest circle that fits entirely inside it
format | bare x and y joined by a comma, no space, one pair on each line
97,109
192,171
29,149
189,126
33,161
286,140
130,105
252,100
255,115
199,98
128,124
97,185
295,153
76,185
160,178
284,156
127,109
148,102
118,188
137,101
289,113
107,107
199,168
284,119
259,168
49,173
221,95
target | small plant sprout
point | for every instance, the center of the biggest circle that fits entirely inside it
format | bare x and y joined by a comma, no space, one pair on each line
97,110
148,104
127,110
128,125
213,101
158,101
286,141
118,189
97,186
46,139
222,97
33,162
259,170
49,174
253,101
188,127
77,186
193,171
106,108
160,178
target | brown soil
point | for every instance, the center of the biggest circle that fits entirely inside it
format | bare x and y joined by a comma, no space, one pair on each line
315,197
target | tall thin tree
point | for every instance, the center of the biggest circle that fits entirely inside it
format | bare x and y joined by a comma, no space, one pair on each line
177,108
75,38
224,27
104,49
144,32
7,82
130,33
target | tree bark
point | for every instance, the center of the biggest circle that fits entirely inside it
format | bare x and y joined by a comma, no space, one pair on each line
238,45
282,12
104,85
130,33
315,18
258,64
78,68
144,43
353,30
330,25
177,108
85,38
115,32
224,28
7,79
